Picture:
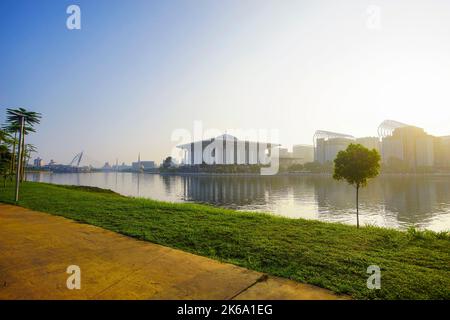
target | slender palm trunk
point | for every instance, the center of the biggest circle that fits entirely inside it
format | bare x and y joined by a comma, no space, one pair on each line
24,151
357,205
19,157
28,161
13,160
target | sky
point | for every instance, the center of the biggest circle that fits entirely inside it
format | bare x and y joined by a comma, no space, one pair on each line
137,71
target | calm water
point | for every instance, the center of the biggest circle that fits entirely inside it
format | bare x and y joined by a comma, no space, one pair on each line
391,201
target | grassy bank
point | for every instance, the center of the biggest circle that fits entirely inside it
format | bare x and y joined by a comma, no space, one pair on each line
415,265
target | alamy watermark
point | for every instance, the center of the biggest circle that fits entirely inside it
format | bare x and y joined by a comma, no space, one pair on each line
236,146
74,280
374,280
73,21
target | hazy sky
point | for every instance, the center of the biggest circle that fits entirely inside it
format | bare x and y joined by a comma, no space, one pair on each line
137,70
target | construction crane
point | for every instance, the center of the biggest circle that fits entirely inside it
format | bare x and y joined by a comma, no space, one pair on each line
76,159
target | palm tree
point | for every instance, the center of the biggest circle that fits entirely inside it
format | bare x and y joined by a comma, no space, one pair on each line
3,135
22,120
13,129
5,155
5,138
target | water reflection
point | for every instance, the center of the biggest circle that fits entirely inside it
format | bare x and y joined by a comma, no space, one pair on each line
393,201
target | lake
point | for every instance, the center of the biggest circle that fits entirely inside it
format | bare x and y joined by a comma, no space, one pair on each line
389,201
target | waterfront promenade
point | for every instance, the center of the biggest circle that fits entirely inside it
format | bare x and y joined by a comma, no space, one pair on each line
36,249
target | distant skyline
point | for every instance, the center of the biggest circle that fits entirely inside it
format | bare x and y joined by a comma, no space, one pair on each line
138,70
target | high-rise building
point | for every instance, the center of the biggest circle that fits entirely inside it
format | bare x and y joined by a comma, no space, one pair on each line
303,152
442,152
327,150
410,144
288,159
284,153
327,144
38,162
425,151
370,143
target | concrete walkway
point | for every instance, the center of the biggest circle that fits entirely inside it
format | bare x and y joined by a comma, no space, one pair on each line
36,249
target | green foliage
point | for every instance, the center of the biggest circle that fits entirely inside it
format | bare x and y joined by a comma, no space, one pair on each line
167,163
5,154
5,160
415,234
330,255
356,165
13,126
31,118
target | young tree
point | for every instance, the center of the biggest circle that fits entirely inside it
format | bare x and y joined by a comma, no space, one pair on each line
356,165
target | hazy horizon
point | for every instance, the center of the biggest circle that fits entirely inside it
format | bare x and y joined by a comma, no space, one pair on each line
138,70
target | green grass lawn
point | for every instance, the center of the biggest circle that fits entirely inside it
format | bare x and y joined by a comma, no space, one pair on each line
414,265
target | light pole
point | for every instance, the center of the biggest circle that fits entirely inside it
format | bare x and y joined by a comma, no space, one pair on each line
19,155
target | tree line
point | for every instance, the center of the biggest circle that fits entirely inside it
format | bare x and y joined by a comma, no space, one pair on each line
13,148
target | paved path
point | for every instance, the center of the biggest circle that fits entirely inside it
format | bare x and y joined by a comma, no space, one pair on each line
36,249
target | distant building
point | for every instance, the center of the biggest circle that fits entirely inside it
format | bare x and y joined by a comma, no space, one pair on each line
225,149
121,167
424,152
284,153
327,144
303,152
442,152
370,143
391,149
38,162
327,149
106,166
287,159
410,144
143,165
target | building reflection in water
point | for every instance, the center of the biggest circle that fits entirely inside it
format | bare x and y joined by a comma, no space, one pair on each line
396,201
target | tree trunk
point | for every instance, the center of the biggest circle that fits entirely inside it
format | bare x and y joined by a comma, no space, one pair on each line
28,157
22,169
13,160
357,205
19,157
